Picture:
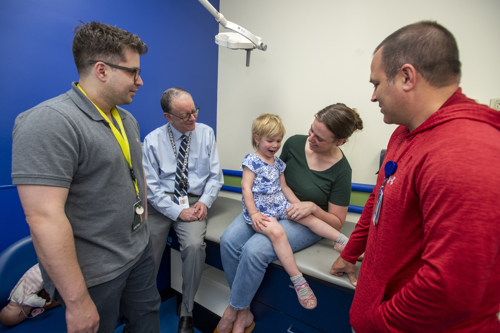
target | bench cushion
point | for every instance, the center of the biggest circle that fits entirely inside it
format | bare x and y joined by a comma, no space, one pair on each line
314,261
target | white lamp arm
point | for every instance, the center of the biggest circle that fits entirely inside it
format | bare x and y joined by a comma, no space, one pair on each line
247,34
232,26
218,16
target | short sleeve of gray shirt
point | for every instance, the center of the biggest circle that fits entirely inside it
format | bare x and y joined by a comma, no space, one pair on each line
45,149
64,142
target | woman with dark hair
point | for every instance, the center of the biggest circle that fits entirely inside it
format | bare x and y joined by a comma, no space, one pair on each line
320,176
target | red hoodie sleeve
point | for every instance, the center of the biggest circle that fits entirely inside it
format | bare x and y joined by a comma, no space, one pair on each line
359,237
357,242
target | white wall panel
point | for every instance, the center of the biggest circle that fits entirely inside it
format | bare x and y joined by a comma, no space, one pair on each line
319,53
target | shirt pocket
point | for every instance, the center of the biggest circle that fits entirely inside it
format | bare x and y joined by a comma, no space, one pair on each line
199,166
367,300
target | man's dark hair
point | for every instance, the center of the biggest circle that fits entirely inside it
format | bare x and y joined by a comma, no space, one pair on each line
426,45
168,97
99,41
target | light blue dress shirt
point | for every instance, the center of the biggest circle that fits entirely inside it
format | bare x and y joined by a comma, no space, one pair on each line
204,171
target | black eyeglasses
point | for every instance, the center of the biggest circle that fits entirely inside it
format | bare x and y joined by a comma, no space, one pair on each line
136,71
186,116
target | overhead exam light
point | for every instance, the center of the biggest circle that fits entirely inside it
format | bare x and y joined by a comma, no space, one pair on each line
241,39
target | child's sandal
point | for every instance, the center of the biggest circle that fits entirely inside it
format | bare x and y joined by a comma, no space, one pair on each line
309,302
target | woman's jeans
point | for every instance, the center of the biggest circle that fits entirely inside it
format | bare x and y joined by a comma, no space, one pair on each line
246,254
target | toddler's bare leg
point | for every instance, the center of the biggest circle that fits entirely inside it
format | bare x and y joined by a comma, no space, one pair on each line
12,315
277,235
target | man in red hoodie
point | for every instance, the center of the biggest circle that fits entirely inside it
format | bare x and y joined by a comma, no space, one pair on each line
432,261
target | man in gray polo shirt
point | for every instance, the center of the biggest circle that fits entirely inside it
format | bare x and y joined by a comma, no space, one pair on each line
77,163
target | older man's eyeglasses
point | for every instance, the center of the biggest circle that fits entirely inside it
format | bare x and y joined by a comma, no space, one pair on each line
186,116
135,71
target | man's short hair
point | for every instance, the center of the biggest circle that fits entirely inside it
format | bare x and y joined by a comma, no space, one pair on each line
168,97
426,45
99,41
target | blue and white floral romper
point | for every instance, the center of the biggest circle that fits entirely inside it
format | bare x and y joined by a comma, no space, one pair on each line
267,194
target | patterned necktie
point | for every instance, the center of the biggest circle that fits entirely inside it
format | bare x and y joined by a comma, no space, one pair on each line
181,191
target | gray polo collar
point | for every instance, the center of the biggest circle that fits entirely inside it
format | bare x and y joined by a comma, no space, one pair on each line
87,106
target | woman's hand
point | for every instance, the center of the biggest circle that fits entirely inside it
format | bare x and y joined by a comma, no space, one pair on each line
259,221
300,210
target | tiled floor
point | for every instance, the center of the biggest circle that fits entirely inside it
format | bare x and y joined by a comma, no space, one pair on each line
168,317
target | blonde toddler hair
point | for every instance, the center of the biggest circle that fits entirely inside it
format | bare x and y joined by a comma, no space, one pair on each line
267,125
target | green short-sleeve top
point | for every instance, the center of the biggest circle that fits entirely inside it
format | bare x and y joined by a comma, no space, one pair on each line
331,185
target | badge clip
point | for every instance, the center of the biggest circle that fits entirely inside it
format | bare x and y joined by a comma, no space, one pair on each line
390,169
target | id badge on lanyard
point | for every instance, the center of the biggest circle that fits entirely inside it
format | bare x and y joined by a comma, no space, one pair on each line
138,211
184,202
122,139
389,170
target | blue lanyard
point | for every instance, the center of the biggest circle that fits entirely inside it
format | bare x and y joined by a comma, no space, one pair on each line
389,169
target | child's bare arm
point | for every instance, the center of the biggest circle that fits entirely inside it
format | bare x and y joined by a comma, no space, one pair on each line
246,189
289,195
258,219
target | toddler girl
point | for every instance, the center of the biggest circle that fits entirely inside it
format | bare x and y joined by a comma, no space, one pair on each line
266,198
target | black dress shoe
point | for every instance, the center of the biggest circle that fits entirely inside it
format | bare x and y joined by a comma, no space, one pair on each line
186,325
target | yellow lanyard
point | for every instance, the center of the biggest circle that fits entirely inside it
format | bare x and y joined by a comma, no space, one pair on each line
120,137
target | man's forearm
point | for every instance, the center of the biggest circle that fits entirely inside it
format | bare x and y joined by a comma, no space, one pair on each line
55,247
54,244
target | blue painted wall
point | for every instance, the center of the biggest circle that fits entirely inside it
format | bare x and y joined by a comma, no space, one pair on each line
36,64
13,223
